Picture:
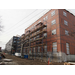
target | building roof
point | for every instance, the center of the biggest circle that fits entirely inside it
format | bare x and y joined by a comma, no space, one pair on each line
70,12
50,10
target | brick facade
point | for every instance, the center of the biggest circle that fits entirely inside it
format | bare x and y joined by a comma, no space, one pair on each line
60,38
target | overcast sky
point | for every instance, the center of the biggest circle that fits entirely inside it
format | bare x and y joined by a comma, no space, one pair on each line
15,21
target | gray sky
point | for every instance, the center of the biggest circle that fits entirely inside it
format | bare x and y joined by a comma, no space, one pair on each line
15,21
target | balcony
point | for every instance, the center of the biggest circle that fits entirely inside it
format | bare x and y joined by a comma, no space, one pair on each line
40,32
18,45
36,45
38,28
26,39
34,30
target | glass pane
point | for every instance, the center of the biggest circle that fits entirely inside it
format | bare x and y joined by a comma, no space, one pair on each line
53,13
53,22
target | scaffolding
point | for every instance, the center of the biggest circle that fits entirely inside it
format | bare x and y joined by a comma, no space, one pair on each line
34,41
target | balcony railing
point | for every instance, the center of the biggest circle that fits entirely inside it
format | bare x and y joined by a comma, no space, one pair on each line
42,26
39,33
38,28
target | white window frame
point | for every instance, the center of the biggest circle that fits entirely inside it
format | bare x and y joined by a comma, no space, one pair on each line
53,22
66,32
65,22
64,13
67,48
54,45
53,13
54,32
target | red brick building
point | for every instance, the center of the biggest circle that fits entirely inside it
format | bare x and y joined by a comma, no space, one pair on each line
60,23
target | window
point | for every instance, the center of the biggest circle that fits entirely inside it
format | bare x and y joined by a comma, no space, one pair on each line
53,13
45,48
53,22
45,34
54,32
14,41
38,49
67,48
66,32
46,17
15,38
18,41
64,13
65,22
54,47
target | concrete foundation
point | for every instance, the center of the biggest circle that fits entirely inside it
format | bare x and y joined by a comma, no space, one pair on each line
62,57
53,57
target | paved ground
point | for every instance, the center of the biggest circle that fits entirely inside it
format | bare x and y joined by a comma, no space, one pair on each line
22,61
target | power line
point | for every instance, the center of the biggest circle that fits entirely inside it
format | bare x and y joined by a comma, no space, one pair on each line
22,20
32,17
29,19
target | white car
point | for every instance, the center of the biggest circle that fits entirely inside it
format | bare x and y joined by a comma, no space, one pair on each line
17,54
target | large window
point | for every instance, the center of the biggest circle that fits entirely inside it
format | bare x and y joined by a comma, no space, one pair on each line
67,48
54,32
65,22
64,13
53,22
66,32
46,17
53,13
54,47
